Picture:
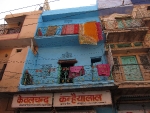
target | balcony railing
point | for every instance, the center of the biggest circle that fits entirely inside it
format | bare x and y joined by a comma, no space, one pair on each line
131,72
50,75
4,30
123,24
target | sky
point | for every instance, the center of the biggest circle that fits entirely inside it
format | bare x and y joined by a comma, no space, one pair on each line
7,5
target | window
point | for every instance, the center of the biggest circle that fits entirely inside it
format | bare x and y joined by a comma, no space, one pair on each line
148,7
138,44
18,50
64,71
2,71
124,45
6,55
95,60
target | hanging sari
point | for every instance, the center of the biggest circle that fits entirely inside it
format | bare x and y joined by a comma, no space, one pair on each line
99,31
51,30
84,39
70,29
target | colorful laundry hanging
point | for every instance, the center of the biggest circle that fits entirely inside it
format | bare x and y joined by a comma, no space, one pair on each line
76,71
103,69
90,29
70,29
99,31
84,39
51,30
90,33
39,32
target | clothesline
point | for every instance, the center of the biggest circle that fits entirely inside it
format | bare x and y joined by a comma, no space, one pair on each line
89,32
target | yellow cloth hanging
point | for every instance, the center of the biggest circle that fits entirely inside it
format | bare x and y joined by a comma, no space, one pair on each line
88,33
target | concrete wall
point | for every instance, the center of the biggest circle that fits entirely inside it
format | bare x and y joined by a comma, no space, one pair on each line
102,4
5,105
23,14
29,21
69,13
135,108
140,2
49,57
29,26
13,71
4,56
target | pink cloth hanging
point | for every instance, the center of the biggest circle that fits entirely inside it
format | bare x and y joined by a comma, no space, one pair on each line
103,69
70,29
99,30
76,71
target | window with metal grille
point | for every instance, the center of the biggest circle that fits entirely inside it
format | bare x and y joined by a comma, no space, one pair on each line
148,7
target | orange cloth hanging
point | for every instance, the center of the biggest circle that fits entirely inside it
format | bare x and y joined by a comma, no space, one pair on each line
88,33
90,29
83,39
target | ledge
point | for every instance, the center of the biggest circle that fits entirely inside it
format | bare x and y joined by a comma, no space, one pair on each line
66,86
126,30
9,36
133,84
129,50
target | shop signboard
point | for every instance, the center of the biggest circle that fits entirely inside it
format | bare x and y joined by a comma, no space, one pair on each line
82,98
32,100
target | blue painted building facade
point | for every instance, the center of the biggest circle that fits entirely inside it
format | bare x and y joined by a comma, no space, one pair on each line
51,49
44,67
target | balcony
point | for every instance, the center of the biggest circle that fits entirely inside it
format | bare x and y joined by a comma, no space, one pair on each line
124,30
49,78
132,72
125,48
9,33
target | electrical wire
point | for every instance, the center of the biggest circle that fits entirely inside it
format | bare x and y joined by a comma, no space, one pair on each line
27,6
59,0
59,18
